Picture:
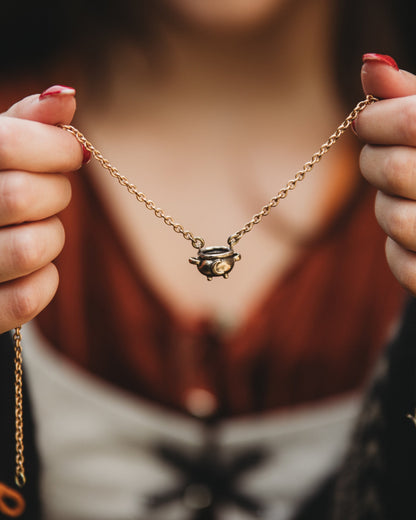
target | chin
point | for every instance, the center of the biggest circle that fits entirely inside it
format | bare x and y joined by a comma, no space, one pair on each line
226,15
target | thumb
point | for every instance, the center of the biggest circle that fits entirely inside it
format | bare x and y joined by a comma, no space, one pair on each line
55,105
381,77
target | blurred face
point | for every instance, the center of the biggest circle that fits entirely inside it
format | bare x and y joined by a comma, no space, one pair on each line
237,15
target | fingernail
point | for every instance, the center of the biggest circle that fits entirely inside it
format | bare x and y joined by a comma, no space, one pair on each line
380,58
354,127
86,155
57,90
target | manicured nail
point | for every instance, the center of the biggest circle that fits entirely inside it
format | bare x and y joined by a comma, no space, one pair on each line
86,155
354,127
57,90
380,58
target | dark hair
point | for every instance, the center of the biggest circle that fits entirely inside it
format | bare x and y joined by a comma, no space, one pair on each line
34,40
382,26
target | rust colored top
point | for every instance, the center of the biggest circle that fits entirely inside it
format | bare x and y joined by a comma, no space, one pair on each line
315,335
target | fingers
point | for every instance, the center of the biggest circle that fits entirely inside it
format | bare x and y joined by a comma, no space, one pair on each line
31,237
388,160
28,137
389,122
22,299
32,151
391,169
29,197
28,279
36,147
397,217
392,120
402,264
29,247
55,105
382,78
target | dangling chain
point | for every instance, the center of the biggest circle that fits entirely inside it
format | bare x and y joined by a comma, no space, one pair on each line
307,167
211,261
20,478
219,260
198,242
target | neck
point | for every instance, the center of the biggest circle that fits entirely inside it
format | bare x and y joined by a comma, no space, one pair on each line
280,67
272,59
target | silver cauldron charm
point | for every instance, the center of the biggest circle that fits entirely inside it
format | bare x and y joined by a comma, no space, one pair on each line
215,261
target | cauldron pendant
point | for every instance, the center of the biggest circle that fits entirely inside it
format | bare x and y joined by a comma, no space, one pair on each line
215,261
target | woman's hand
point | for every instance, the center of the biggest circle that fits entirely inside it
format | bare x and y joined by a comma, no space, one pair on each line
33,155
388,160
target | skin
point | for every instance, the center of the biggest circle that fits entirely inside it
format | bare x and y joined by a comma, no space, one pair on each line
34,153
232,15
388,161
235,112
31,236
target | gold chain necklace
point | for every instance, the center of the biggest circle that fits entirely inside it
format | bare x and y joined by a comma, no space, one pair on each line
219,260
210,261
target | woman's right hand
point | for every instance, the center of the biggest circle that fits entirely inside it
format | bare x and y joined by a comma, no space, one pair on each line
34,154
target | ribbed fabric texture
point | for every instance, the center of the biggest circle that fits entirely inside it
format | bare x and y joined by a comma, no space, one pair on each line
315,334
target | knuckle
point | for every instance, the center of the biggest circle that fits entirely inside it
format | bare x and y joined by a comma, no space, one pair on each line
58,231
26,302
409,121
34,245
26,250
62,194
365,161
15,197
398,171
402,264
396,222
6,137
72,155
398,219
66,191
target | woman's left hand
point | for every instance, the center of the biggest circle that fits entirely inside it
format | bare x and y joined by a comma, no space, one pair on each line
388,159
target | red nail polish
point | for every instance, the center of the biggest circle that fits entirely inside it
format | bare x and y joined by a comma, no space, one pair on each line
86,155
354,127
57,90
380,58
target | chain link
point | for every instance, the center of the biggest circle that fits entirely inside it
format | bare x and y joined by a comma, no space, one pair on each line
300,175
199,242
20,478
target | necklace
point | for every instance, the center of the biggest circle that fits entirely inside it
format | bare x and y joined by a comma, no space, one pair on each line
211,261
217,261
